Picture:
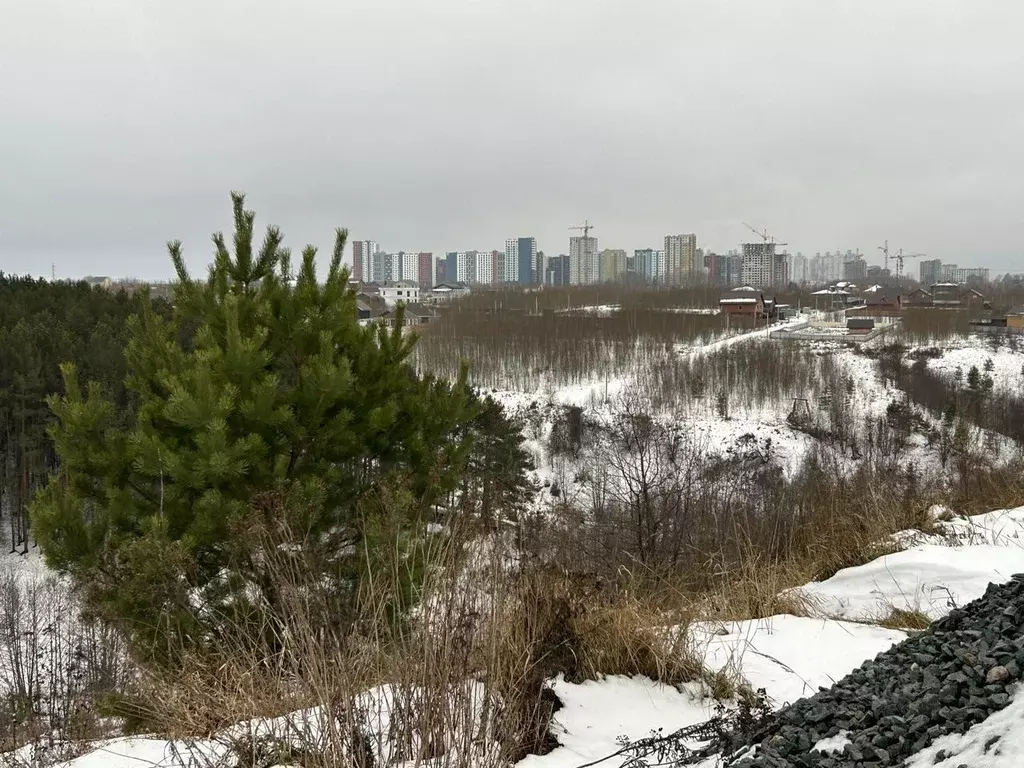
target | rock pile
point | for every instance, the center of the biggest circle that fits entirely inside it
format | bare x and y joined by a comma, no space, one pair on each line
944,680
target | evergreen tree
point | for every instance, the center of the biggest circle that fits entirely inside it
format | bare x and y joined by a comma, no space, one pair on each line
256,385
496,483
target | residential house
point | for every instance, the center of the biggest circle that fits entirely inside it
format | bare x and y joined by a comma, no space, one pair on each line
955,295
413,315
919,297
405,291
369,308
743,301
448,291
832,297
883,299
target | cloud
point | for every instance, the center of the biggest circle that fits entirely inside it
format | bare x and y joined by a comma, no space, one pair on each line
453,124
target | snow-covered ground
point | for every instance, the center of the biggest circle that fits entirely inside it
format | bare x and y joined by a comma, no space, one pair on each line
788,656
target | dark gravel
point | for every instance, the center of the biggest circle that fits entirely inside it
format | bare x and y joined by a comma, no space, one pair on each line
943,680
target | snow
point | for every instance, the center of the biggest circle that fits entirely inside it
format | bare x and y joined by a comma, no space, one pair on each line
1003,527
968,353
833,744
931,578
600,310
998,742
790,657
596,713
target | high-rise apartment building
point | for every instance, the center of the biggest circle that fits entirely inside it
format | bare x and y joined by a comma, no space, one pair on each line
735,268
519,261
510,263
951,273
798,268
496,259
381,267
363,252
408,266
763,267
540,268
557,270
681,259
583,260
931,271
425,269
612,265
855,270
527,253
650,265
465,270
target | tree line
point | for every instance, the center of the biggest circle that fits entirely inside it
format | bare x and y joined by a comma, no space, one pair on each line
42,325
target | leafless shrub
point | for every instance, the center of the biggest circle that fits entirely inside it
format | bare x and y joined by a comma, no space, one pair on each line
57,671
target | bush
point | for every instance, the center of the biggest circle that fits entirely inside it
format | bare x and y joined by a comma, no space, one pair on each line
258,384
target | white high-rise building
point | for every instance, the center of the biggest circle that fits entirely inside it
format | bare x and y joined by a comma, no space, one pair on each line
510,261
466,266
485,267
584,266
408,266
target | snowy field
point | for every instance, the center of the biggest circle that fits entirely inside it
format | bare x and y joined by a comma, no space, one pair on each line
787,656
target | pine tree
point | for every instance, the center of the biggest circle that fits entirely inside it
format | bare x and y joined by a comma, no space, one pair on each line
256,385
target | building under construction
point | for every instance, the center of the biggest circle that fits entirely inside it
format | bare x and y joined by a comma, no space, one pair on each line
763,267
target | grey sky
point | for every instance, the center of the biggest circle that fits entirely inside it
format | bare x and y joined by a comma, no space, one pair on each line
453,124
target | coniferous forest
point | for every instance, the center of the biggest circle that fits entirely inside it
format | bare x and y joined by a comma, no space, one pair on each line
43,325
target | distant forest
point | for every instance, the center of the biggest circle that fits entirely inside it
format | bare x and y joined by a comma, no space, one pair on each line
44,324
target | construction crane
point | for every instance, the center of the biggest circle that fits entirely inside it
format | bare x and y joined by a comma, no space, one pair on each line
885,249
585,228
901,256
763,235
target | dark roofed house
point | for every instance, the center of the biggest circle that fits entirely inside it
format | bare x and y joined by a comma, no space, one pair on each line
883,300
369,307
448,291
955,295
415,314
919,297
860,324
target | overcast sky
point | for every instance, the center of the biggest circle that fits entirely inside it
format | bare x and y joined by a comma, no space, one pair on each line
453,124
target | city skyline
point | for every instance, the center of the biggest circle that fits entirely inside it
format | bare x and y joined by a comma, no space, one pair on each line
126,125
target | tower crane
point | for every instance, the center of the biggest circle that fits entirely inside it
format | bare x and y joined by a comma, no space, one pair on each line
885,249
585,228
901,256
763,235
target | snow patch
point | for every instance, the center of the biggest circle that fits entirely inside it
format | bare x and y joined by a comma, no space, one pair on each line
790,656
931,579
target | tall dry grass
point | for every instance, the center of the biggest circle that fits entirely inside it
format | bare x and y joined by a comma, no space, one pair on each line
462,678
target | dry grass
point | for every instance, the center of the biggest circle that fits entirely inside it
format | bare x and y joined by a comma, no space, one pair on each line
905,620
466,680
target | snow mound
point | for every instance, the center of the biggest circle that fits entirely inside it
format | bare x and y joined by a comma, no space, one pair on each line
791,656
596,713
931,579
